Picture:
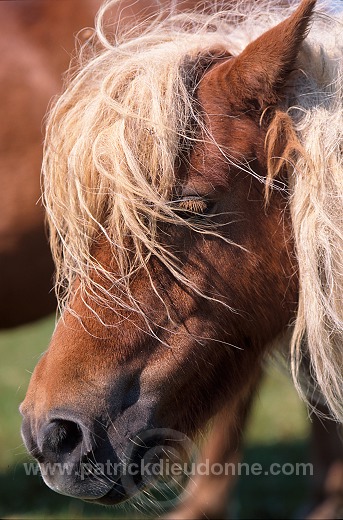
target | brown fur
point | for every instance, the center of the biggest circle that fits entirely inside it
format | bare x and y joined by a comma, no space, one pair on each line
36,42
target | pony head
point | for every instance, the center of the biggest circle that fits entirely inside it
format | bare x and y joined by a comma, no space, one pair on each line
168,178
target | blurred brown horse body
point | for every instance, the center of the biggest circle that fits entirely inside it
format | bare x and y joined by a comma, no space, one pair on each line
36,43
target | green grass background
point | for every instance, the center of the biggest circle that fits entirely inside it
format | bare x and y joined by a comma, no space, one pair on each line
277,432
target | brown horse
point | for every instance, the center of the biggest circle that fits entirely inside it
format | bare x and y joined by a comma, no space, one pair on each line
36,42
192,179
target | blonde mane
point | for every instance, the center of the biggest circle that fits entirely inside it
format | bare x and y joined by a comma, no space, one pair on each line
114,136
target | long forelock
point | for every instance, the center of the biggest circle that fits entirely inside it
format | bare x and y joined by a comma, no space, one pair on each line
113,139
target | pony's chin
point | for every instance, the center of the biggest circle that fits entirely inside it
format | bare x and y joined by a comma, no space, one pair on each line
117,494
112,498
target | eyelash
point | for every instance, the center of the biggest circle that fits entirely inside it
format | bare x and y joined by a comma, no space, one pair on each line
193,207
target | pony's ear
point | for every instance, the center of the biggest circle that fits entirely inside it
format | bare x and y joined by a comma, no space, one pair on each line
261,69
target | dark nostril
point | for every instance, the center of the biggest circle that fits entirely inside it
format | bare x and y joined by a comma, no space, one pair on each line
59,438
63,436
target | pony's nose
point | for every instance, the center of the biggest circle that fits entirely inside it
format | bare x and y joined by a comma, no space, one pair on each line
71,462
63,439
59,439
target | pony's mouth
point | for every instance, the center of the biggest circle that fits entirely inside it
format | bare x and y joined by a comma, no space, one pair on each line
122,491
144,469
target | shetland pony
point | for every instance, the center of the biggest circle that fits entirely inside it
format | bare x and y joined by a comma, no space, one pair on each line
193,184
